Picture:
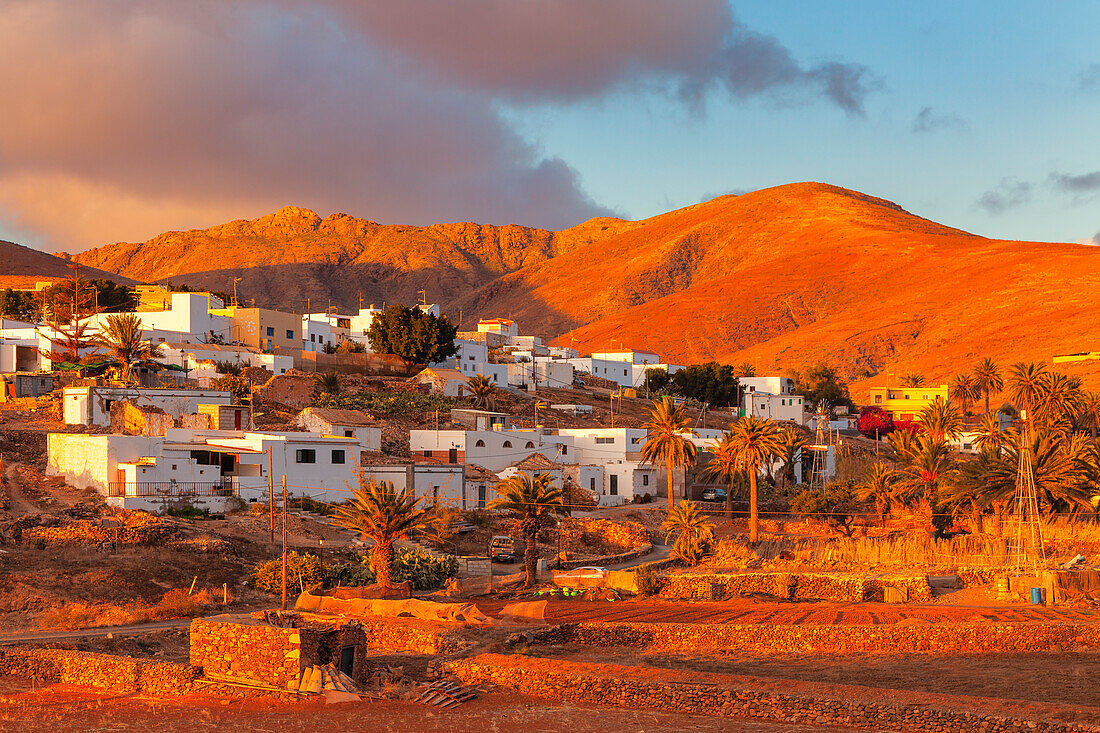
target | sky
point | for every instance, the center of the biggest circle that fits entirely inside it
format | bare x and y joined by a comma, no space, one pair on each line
126,119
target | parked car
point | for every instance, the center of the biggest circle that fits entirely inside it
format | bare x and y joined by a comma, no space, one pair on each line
502,548
715,494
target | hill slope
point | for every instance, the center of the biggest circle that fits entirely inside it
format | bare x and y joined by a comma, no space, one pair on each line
782,277
22,267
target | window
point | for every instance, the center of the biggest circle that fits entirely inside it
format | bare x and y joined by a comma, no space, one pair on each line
290,333
565,450
529,445
878,399
479,444
313,338
305,455
427,454
604,441
645,479
271,331
173,467
614,485
592,484
507,444
337,456
349,433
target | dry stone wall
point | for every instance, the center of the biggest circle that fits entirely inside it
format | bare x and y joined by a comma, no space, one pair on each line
727,696
762,638
244,652
100,671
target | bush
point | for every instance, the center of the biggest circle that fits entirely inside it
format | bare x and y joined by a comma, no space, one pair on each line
309,504
423,570
302,571
189,512
233,384
874,422
647,581
390,403
228,367
834,506
689,549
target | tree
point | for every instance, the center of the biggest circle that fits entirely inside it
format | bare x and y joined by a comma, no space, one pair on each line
754,441
665,442
877,485
942,420
904,445
874,422
821,382
833,505
790,443
534,500
379,513
722,468
1025,383
121,336
413,335
482,390
694,532
348,346
656,379
988,379
745,369
989,436
1057,399
964,390
712,383
912,380
72,333
930,467
327,382
96,296
1089,412
19,305
234,385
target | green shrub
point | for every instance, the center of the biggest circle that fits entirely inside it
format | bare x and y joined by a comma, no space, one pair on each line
302,571
423,570
188,512
834,506
309,504
389,403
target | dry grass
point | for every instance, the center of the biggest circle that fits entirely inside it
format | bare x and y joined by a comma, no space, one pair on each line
176,603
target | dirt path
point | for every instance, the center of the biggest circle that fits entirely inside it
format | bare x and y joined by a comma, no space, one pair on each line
23,637
13,486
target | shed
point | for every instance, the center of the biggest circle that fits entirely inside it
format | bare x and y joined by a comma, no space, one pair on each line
342,423
227,417
446,382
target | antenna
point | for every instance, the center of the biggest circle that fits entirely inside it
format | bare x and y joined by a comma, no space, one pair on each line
236,303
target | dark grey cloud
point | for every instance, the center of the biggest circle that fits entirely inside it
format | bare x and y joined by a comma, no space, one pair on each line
927,120
1086,183
1008,194
565,50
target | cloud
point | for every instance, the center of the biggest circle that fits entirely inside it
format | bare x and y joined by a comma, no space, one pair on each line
928,121
566,50
1082,184
1008,194
135,118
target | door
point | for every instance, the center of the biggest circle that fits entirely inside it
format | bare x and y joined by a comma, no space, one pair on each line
121,489
236,419
452,455
481,496
347,660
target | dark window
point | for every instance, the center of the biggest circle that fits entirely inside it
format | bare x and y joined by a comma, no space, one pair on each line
604,441
289,333
565,450
529,445
452,455
479,444
306,455
614,485
645,479
507,444
349,433
592,484
338,456
427,454
271,331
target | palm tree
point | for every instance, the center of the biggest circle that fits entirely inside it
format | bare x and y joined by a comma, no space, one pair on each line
379,513
988,379
904,444
328,382
931,467
665,442
942,420
694,531
791,442
746,369
912,380
481,388
964,390
878,485
987,482
754,442
121,336
989,436
1089,412
1025,384
1057,399
534,499
723,469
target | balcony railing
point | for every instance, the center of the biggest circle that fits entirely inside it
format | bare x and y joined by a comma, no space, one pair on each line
172,489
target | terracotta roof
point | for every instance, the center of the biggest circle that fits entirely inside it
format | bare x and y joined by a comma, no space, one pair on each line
536,462
475,472
337,416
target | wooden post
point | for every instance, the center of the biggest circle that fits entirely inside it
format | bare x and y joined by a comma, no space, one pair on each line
192,589
271,498
284,541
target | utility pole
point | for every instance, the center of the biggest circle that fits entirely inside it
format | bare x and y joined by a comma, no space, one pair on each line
271,497
284,541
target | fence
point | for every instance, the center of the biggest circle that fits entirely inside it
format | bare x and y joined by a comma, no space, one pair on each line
171,489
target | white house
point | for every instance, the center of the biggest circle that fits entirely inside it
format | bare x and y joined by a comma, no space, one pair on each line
324,329
493,449
200,358
774,406
343,423
630,357
501,326
187,320
360,323
437,484
92,405
618,451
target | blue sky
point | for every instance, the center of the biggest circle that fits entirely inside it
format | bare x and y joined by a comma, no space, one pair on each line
136,118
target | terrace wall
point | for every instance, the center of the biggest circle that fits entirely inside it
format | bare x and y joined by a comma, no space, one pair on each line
100,671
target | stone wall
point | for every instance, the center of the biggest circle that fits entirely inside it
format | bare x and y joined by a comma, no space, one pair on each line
817,586
727,696
244,651
607,559
620,534
898,638
101,671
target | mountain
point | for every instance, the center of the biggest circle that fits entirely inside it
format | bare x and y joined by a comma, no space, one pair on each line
782,277
22,267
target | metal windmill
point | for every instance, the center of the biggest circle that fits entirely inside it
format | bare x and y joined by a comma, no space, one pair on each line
819,448
1026,551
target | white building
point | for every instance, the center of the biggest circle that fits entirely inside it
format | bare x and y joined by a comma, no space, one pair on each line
769,385
199,359
618,452
493,449
774,406
437,484
630,357
188,320
360,323
324,329
92,405
354,424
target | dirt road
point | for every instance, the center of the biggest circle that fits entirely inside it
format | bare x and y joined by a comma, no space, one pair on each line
24,637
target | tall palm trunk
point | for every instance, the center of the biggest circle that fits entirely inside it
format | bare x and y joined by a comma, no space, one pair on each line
530,528
987,402
998,518
671,497
729,501
880,507
754,512
381,559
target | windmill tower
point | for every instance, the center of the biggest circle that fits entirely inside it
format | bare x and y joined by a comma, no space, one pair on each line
1026,551
820,449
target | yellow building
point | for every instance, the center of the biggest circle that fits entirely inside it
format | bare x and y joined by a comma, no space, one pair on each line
264,329
905,403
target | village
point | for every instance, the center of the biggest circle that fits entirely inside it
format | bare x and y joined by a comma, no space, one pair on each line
322,511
